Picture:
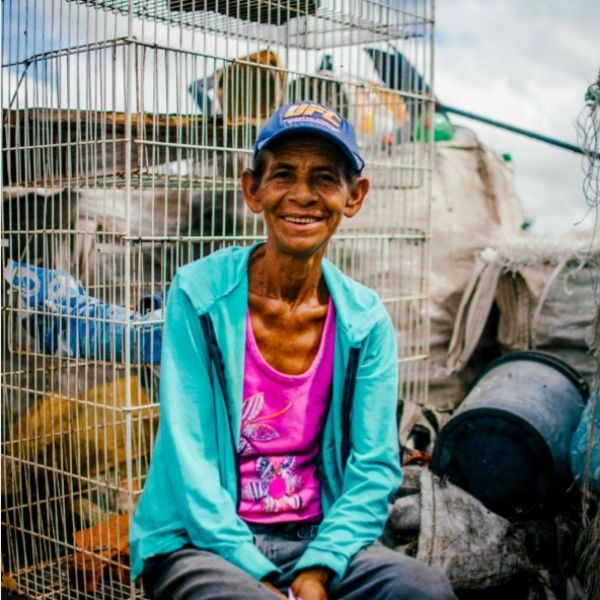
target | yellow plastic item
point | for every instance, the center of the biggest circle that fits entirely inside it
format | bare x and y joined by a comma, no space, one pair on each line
86,435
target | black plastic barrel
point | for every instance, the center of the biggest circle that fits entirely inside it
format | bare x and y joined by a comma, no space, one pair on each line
508,442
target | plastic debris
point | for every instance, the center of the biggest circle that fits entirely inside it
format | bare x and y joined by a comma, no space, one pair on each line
585,448
64,321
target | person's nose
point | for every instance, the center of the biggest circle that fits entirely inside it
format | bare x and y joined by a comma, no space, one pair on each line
302,192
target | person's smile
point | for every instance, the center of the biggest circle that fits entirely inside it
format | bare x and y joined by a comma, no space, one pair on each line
301,221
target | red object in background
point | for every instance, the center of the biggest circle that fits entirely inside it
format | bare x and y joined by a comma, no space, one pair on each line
417,457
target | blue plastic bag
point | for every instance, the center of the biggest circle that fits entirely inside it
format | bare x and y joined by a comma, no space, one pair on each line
587,432
65,321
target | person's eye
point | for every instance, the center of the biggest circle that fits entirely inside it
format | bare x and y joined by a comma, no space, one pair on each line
281,175
327,178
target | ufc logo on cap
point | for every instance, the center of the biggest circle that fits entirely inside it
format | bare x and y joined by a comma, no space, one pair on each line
313,110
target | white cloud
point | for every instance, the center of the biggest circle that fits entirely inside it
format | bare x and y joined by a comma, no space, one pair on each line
527,64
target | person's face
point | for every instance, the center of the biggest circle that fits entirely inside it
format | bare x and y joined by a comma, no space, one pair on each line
303,194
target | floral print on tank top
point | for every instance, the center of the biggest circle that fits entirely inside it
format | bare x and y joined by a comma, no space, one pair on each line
282,417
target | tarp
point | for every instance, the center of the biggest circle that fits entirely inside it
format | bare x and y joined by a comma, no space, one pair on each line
474,204
545,292
454,532
476,548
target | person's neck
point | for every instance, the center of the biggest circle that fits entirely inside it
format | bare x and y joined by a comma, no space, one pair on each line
283,277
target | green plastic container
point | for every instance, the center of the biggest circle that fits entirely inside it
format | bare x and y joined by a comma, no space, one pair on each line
442,128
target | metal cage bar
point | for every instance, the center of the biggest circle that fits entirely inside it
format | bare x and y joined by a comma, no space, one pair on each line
125,127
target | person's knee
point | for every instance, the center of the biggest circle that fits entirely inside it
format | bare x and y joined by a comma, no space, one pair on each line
420,583
382,574
438,587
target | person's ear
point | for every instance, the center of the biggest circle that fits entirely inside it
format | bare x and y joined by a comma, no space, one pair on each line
357,196
249,189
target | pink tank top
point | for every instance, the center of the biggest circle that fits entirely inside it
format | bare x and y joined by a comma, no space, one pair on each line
282,418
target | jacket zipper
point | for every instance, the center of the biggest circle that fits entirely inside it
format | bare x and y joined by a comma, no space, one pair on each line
216,358
347,398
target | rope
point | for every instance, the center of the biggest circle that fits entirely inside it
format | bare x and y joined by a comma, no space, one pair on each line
588,126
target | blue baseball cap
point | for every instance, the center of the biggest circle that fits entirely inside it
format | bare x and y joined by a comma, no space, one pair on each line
311,117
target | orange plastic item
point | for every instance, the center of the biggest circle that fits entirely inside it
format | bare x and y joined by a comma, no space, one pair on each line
102,550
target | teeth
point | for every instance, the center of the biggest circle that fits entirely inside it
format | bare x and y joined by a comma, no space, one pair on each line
301,220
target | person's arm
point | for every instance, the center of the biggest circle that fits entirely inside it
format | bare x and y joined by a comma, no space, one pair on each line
190,445
372,472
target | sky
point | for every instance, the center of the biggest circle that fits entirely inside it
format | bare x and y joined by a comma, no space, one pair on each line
529,64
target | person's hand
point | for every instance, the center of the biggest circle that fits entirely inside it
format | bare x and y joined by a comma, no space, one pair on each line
310,584
273,589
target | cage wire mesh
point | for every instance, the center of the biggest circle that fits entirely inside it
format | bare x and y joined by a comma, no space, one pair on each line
126,125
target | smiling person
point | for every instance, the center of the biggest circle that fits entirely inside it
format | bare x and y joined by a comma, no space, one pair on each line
277,449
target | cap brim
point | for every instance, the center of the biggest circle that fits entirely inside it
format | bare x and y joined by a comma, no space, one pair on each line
356,161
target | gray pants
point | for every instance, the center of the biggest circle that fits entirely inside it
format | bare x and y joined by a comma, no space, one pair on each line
375,573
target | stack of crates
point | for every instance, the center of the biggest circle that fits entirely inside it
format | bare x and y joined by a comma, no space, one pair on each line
125,127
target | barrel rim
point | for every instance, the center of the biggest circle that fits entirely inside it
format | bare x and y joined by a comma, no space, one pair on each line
536,356
547,452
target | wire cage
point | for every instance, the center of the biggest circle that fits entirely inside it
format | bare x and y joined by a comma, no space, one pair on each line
126,125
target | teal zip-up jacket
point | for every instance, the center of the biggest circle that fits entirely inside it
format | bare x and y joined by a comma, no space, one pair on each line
191,491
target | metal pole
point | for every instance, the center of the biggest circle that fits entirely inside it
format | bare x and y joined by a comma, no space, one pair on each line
536,136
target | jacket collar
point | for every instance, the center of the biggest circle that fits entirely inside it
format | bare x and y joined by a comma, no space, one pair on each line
357,307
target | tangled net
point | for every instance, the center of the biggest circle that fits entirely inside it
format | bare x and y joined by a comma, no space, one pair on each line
588,126
588,134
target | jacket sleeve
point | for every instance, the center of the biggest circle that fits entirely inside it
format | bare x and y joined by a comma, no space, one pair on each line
188,441
372,474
